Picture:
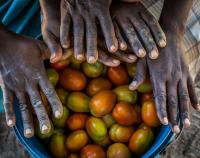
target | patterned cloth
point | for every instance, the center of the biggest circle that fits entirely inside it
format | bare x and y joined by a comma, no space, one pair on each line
191,37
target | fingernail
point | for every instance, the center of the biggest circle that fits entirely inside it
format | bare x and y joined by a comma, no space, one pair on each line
187,123
142,52
133,85
57,114
198,107
165,121
176,129
10,123
123,46
162,43
91,60
116,61
79,57
132,57
28,132
112,48
65,46
53,55
154,54
45,129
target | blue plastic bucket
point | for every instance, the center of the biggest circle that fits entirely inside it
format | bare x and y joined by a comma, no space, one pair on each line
33,146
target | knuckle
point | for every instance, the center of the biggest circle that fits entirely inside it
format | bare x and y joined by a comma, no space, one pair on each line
184,97
23,107
160,96
173,102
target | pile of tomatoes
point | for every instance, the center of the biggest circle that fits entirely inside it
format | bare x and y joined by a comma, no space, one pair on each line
102,117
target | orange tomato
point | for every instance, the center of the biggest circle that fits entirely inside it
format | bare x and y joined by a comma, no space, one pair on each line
118,150
76,140
102,103
98,84
149,115
124,114
146,96
93,151
118,75
121,134
141,140
72,79
77,121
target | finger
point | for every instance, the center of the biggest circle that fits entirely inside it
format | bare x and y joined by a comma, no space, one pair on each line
8,106
125,57
193,94
107,60
91,39
132,38
52,96
146,37
39,109
78,27
108,31
140,75
53,45
26,115
184,102
121,42
157,31
45,53
65,27
172,103
159,90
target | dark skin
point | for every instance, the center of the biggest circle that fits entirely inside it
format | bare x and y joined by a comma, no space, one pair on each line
172,84
23,75
135,23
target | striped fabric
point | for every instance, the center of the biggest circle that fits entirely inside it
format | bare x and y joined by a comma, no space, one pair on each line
191,37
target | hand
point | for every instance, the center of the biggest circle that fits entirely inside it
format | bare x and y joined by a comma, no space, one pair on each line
140,29
23,74
83,14
173,87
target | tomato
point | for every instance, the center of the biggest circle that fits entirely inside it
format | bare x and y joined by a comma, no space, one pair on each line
149,115
62,94
98,84
60,65
38,132
93,70
143,126
73,155
146,97
105,142
124,114
121,134
78,102
102,103
145,87
53,76
61,122
96,128
77,121
76,140
125,94
57,146
141,140
118,150
118,75
93,151
131,69
72,79
108,119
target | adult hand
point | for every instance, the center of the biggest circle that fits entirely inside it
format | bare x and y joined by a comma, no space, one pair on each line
173,87
23,75
140,29
83,14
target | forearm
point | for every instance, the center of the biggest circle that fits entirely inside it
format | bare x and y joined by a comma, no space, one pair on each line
50,9
174,15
